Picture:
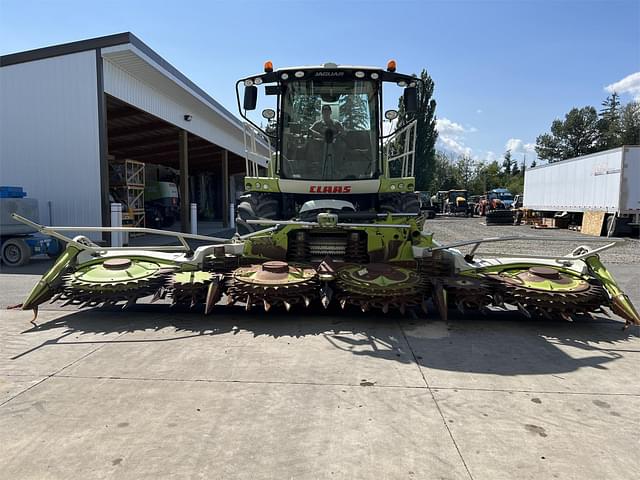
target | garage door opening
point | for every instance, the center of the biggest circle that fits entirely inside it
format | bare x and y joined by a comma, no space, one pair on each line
157,169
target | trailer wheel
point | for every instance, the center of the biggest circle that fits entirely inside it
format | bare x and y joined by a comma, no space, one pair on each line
15,252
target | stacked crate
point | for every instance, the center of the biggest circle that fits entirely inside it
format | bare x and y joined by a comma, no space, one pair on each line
126,181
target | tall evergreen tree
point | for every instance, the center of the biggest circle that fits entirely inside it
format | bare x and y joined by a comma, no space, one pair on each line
610,125
426,133
354,112
630,124
507,163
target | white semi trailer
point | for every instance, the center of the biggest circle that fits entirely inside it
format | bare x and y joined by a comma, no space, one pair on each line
607,181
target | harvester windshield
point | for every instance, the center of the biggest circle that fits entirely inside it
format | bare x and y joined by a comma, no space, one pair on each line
330,130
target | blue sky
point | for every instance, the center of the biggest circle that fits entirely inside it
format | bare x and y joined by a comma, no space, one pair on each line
503,70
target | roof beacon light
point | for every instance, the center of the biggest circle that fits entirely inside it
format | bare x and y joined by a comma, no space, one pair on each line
391,66
268,66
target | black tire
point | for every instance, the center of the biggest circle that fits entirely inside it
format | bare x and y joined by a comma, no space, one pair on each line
15,252
399,203
255,206
499,217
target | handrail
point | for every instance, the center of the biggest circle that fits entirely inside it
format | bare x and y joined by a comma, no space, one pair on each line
611,242
407,151
182,237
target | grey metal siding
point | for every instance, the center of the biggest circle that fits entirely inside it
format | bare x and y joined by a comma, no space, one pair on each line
49,135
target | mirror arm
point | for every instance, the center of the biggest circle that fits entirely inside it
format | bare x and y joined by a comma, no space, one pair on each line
242,112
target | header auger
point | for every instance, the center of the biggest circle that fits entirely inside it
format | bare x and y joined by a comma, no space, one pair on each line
330,217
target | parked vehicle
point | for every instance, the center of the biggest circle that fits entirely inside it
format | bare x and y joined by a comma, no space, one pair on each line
456,203
161,204
495,206
426,206
607,181
517,202
19,242
438,199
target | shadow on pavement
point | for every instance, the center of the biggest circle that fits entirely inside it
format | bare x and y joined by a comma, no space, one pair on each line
503,344
36,266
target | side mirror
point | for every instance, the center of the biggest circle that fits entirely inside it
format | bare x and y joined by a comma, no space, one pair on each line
410,99
268,113
391,115
250,97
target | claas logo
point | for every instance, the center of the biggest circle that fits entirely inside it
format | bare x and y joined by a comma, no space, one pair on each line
330,189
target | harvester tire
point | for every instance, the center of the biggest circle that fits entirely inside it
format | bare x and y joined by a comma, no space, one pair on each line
399,203
499,217
255,206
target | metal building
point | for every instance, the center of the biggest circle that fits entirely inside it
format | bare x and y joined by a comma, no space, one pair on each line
69,110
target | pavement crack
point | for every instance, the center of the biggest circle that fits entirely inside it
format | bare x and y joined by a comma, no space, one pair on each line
56,372
548,392
249,382
433,397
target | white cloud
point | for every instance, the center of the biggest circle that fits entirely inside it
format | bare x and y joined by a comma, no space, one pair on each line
629,84
446,126
451,137
520,149
452,145
491,156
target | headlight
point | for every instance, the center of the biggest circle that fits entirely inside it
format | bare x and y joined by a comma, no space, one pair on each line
257,81
299,74
265,186
374,76
401,186
284,76
402,83
410,187
359,74
248,185
393,186
258,184
248,82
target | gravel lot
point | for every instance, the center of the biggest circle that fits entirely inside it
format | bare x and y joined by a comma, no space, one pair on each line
455,229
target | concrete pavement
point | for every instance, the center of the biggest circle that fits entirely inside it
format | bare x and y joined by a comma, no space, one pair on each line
154,394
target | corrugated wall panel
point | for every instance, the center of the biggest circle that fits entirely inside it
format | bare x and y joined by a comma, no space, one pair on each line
162,98
49,136
591,182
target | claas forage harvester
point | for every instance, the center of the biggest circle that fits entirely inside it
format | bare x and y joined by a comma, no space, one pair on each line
330,216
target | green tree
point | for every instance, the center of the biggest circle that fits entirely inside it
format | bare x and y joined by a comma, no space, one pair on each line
507,162
354,112
307,110
630,124
426,133
443,174
464,171
610,124
515,170
578,134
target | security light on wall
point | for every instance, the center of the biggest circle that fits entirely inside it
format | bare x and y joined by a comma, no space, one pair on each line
188,117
